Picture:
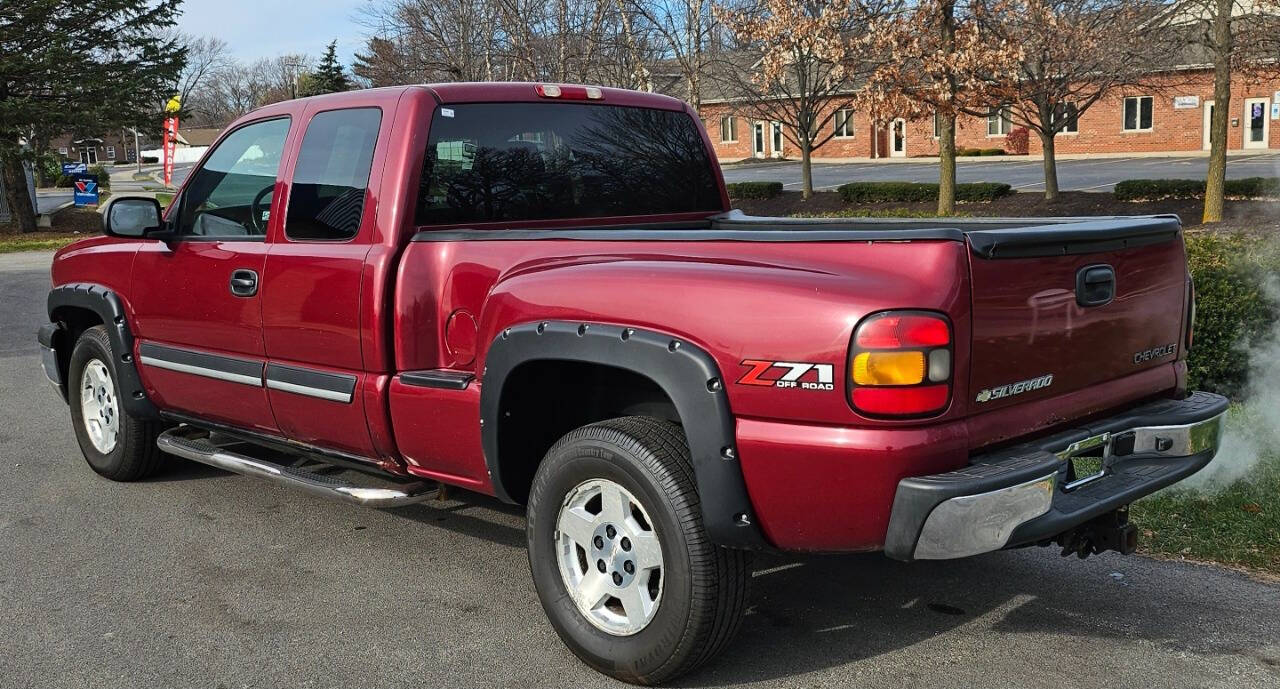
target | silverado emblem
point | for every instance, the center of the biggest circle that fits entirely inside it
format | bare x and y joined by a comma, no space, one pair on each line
1002,391
794,374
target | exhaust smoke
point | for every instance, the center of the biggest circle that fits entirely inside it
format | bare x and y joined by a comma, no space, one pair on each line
1253,425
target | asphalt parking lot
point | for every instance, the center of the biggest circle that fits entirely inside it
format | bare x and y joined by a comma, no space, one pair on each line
1093,174
200,578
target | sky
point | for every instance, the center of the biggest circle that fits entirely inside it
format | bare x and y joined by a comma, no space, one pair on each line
266,28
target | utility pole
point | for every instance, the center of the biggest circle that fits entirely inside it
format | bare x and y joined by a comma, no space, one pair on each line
295,68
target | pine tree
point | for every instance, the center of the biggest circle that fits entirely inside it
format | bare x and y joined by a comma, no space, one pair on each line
89,65
329,76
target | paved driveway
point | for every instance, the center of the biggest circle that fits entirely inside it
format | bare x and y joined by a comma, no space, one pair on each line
48,200
1096,174
201,578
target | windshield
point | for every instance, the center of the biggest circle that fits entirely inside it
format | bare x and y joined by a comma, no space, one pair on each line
538,161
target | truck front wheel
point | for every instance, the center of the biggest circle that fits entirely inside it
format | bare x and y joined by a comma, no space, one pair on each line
619,555
114,443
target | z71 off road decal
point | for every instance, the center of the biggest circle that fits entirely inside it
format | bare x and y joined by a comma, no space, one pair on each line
788,374
1017,388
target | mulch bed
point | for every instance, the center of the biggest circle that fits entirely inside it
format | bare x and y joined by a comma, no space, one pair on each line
1252,215
65,221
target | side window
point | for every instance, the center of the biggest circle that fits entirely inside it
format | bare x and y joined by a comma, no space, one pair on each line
326,200
229,197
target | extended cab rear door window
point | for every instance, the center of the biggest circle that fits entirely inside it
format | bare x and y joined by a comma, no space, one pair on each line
536,161
326,200
230,196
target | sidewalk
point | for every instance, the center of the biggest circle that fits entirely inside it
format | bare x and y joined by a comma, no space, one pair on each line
963,160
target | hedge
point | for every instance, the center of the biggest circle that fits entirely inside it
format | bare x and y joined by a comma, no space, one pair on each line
1237,305
906,192
974,152
1154,189
754,190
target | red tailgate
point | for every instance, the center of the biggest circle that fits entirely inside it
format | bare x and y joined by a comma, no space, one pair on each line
1034,333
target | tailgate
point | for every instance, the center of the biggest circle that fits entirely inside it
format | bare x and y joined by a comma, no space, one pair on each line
1059,308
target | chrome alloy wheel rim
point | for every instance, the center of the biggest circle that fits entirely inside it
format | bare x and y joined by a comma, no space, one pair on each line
98,406
610,557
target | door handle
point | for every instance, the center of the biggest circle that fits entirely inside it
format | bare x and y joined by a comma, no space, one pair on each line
1095,285
244,282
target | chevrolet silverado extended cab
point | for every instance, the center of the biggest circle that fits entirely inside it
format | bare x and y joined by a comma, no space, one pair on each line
538,292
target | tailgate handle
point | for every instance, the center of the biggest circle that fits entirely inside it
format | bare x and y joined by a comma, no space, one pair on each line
1095,285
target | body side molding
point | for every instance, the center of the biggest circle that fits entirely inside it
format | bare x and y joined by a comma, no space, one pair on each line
219,367
335,387
688,375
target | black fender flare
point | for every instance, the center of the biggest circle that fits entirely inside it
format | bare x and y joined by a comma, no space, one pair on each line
688,375
104,302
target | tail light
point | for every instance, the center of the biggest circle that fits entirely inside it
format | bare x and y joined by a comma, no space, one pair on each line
900,364
1191,318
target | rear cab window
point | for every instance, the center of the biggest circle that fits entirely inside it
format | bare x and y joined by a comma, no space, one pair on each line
496,162
331,178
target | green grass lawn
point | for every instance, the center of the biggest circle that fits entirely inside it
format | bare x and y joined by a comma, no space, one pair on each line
1236,525
165,198
12,243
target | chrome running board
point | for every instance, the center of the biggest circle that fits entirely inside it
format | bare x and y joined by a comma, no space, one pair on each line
195,444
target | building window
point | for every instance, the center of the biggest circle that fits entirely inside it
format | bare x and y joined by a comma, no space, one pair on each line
844,122
937,124
728,129
111,152
999,122
1067,114
1137,113
62,150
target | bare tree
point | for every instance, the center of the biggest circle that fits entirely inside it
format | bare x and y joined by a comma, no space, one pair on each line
1238,36
592,41
807,58
236,88
1075,52
943,65
686,30
205,56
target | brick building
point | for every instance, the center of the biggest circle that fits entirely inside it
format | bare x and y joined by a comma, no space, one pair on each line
1170,116
107,147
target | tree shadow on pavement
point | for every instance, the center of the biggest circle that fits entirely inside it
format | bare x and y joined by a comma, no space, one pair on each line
816,613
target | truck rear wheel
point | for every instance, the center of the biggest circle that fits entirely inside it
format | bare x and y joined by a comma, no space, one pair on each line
114,443
619,555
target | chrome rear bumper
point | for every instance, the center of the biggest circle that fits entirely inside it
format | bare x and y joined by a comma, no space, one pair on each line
1026,494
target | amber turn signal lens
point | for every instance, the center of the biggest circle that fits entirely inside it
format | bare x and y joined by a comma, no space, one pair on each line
888,368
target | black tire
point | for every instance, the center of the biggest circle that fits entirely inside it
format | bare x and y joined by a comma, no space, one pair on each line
134,455
704,591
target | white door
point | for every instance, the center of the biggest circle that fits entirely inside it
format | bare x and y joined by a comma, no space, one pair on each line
89,156
757,139
1208,124
775,135
898,138
1256,114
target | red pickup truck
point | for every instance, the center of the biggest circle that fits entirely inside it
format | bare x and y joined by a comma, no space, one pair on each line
540,293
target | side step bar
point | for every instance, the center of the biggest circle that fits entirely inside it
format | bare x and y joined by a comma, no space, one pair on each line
193,443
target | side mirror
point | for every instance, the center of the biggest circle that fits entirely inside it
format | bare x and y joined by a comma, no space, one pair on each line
131,217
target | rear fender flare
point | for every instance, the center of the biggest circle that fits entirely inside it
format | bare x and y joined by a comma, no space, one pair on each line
684,371
110,309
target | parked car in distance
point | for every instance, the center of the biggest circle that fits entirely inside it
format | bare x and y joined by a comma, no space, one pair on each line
539,292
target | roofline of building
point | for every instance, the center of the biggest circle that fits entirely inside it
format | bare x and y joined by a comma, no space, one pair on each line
1191,67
